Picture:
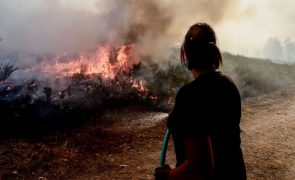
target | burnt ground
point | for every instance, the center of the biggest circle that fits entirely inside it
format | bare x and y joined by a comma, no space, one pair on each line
129,147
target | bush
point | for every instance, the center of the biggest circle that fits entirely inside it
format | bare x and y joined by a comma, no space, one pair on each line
5,71
257,76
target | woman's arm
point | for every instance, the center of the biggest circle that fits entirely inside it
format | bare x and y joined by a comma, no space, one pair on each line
199,163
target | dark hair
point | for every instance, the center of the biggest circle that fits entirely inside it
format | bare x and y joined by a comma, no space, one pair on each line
199,48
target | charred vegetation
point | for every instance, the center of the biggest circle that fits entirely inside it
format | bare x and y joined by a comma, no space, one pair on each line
36,108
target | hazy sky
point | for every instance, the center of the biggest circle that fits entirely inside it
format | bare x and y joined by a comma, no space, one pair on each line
42,26
247,33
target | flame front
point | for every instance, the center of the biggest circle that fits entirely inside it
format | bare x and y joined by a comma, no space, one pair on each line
106,62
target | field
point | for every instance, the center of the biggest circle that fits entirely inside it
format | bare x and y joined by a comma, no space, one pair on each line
120,137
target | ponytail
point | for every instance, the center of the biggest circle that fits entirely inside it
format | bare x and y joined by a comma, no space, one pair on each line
214,55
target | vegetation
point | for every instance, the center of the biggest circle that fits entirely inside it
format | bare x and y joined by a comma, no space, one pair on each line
251,75
257,76
5,71
36,108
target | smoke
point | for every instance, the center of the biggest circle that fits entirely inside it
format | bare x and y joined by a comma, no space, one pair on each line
249,30
46,27
57,26
33,28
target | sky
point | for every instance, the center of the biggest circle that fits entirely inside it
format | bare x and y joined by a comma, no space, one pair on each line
55,26
248,32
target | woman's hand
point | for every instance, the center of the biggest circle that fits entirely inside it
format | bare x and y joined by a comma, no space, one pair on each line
162,173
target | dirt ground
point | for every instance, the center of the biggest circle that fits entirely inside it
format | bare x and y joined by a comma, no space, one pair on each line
268,143
130,148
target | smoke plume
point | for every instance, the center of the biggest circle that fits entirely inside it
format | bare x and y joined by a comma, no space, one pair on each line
56,26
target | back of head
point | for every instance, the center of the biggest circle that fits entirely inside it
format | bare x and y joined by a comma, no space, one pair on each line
199,48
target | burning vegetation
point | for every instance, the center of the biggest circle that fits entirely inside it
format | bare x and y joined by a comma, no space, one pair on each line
73,88
67,90
63,92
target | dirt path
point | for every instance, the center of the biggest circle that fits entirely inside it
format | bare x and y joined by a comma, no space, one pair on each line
268,137
130,148
268,125
139,156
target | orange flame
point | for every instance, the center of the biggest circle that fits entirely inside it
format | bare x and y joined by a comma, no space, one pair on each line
106,62
139,85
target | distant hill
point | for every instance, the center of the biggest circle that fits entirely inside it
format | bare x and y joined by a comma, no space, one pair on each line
255,76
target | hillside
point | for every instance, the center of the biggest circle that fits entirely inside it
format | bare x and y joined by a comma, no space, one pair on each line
122,139
258,76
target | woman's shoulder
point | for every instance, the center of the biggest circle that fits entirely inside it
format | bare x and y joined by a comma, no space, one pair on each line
227,81
206,83
225,77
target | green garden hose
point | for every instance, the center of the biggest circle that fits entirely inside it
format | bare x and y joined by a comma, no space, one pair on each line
164,148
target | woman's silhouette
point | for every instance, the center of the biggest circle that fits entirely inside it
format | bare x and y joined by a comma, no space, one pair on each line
205,122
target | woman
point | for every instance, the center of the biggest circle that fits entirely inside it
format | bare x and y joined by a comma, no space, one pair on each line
205,120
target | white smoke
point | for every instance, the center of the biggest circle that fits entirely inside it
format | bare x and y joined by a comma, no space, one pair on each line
57,26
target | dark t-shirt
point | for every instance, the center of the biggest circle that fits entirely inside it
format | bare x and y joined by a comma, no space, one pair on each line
210,106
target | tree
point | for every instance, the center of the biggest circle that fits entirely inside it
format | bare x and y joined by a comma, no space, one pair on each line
289,50
273,49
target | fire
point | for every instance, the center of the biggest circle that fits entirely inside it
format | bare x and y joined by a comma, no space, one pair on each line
112,64
139,85
106,62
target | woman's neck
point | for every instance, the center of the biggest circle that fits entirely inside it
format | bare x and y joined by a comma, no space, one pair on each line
198,72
